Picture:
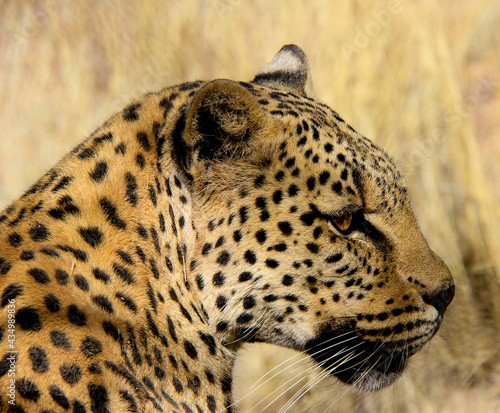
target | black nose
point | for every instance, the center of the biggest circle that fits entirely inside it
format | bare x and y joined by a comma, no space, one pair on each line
441,299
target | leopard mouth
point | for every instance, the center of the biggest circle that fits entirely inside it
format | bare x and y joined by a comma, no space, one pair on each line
366,365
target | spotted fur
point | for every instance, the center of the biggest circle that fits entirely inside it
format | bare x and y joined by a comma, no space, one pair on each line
201,217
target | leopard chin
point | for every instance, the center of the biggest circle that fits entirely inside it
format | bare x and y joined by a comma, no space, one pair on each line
366,365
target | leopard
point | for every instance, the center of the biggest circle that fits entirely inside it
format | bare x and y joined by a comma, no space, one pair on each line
198,219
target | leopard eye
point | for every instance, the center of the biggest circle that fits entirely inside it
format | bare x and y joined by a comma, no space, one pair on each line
342,223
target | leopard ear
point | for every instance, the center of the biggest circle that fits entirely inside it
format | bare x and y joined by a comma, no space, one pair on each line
222,121
289,71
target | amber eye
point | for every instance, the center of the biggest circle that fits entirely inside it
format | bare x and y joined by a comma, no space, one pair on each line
342,223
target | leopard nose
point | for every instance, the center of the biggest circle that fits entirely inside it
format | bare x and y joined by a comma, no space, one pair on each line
441,299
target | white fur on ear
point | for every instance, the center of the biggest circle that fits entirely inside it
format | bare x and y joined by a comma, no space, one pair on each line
289,71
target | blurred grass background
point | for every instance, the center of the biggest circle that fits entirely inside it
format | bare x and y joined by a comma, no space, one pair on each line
420,78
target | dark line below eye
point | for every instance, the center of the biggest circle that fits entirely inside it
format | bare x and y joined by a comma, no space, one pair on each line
359,223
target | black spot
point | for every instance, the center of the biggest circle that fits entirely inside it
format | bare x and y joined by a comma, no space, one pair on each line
63,182
39,275
143,140
52,303
39,360
243,214
76,316
49,252
206,248
311,183
110,330
250,257
152,194
94,368
27,389
99,171
66,205
29,319
272,263
131,189
211,404
244,318
127,301
323,178
285,227
4,266
171,329
59,397
222,326
287,280
245,276
15,239
123,273
382,316
221,302
249,302
130,112
223,258
261,236
91,347
10,293
277,197
237,235
343,175
62,276
86,153
102,302
259,181
98,398
60,340
314,248
70,373
100,275
78,407
91,235
81,282
270,298
218,279
111,214
328,147
334,258
179,388
341,157
190,349
78,254
107,137
27,255
293,190
39,233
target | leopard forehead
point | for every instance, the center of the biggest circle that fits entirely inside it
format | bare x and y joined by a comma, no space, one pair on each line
200,217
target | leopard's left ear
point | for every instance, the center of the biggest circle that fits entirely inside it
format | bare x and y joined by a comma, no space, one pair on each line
223,122
289,71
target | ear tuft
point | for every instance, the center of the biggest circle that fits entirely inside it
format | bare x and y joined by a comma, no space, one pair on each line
222,119
289,71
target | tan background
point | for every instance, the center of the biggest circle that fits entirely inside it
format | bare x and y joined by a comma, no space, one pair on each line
421,78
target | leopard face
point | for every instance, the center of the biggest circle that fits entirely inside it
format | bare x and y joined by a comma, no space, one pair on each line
201,217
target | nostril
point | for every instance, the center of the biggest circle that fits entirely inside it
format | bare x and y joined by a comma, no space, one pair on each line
447,295
442,299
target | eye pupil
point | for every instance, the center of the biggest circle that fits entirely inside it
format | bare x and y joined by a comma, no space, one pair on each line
343,223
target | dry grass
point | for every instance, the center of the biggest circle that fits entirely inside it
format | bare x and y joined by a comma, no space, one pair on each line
421,78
